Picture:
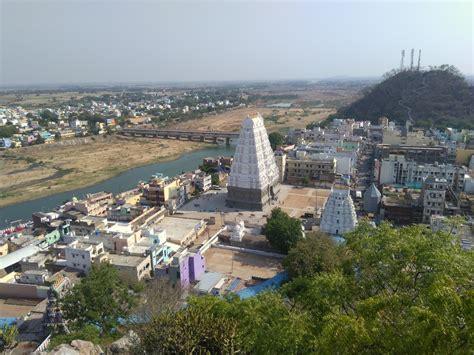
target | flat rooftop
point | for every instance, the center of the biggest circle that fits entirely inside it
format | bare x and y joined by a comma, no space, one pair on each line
178,229
125,260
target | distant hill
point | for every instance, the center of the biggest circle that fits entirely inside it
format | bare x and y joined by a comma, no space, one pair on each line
439,97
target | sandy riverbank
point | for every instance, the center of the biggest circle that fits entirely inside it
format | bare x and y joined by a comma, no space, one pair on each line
37,171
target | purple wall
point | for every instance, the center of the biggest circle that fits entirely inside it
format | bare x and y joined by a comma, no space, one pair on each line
184,272
197,266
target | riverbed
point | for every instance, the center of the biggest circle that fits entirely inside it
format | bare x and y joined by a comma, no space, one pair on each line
125,181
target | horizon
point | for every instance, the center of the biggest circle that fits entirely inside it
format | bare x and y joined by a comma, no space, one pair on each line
67,43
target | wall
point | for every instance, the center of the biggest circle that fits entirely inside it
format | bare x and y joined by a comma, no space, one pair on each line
13,290
197,266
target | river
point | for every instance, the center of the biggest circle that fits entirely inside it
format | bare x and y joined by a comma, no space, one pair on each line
125,181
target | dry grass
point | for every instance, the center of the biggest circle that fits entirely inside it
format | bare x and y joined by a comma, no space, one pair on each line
283,119
42,170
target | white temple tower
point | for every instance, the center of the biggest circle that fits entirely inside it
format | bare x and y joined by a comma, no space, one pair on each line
339,214
254,178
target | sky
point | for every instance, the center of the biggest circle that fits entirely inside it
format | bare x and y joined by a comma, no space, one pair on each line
109,41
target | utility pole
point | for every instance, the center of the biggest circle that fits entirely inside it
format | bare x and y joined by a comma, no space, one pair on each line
419,60
403,60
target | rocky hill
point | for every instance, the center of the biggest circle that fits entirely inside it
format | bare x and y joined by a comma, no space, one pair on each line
439,97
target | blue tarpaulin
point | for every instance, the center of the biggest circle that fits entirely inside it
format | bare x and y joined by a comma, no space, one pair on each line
272,283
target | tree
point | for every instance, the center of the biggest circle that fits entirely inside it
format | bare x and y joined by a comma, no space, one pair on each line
49,116
215,325
8,335
101,299
312,255
403,290
215,179
283,231
7,131
276,139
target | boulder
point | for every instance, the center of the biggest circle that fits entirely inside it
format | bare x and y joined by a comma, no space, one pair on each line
123,345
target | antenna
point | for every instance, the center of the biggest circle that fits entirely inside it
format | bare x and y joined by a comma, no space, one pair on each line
411,61
403,59
419,60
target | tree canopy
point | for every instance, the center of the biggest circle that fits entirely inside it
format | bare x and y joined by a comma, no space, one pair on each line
283,231
312,255
101,299
276,139
408,290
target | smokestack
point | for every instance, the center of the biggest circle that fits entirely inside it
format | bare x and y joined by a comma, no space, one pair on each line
419,60
403,60
411,61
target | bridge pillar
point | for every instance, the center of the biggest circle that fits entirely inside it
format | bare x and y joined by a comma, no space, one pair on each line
227,141
214,140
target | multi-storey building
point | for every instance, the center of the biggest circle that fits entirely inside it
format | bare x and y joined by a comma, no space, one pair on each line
419,154
93,205
320,169
203,182
81,255
160,190
434,197
397,170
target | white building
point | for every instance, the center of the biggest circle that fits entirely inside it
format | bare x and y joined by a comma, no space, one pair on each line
397,170
434,197
203,182
339,214
254,179
80,255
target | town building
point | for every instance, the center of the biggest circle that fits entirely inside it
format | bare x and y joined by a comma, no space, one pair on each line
160,190
310,169
254,179
203,181
94,204
397,170
434,197
339,214
81,255
419,154
131,268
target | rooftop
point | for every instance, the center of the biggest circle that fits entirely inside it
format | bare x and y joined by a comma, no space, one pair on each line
125,260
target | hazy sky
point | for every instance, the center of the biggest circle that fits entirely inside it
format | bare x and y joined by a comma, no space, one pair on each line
77,41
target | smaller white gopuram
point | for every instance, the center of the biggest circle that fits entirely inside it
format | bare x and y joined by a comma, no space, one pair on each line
339,214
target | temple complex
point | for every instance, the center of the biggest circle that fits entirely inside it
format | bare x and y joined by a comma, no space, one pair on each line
339,214
254,178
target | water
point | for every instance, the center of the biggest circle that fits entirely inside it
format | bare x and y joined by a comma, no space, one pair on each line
125,181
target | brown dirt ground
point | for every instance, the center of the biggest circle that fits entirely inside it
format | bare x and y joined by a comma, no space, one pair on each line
243,265
36,171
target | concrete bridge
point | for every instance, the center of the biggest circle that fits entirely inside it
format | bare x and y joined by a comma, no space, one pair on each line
188,135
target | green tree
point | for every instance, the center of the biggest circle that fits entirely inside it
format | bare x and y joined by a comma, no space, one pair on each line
49,116
276,139
101,299
214,325
283,231
403,290
215,179
8,334
7,131
314,254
